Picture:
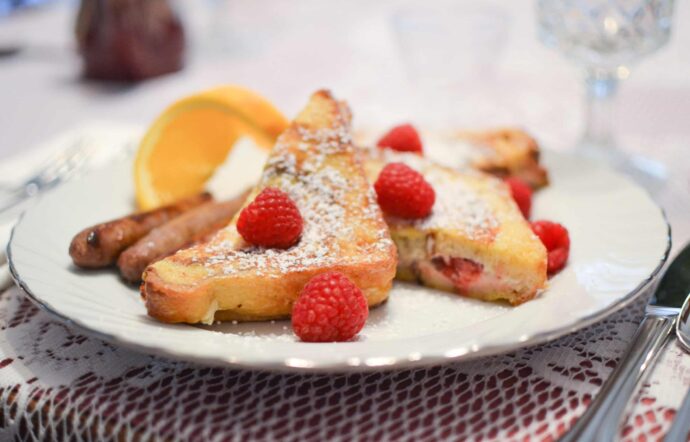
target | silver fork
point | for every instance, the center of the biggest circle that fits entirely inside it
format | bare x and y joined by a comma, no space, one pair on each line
59,168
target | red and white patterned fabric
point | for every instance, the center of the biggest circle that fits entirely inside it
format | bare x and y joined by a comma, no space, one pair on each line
58,384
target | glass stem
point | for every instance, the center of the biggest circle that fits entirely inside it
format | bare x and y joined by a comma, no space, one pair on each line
602,85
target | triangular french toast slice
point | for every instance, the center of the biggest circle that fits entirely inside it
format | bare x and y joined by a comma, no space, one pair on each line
475,242
315,162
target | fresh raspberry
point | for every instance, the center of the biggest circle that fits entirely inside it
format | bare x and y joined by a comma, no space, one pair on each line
271,220
331,308
557,242
403,138
404,192
522,194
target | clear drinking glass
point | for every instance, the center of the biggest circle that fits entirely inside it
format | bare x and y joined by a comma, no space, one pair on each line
605,38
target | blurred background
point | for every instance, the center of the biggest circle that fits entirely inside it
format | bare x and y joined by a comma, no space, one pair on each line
465,64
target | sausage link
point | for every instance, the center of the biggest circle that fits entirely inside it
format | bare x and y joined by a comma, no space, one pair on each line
100,245
189,228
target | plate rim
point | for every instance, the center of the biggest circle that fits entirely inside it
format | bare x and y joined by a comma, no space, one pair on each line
315,366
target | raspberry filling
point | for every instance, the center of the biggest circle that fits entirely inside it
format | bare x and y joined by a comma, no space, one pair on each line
462,272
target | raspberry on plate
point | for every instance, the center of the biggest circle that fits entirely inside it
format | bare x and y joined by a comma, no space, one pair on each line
403,138
403,192
271,220
330,308
522,194
556,239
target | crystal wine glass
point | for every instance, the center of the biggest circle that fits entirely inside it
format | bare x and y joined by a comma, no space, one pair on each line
605,37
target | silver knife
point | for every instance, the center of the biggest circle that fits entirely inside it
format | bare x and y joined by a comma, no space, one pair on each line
602,420
680,429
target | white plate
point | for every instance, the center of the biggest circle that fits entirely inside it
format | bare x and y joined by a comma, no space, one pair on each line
619,238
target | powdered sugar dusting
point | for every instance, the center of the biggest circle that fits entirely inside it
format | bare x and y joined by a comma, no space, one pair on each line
459,206
335,201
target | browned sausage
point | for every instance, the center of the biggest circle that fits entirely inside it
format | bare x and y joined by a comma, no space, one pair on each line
100,245
187,229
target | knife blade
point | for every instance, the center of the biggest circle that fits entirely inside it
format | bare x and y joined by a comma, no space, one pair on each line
602,420
680,429
674,286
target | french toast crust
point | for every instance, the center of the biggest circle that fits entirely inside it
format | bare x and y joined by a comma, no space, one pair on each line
315,163
517,154
174,303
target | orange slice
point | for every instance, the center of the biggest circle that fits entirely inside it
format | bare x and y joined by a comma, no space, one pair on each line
192,137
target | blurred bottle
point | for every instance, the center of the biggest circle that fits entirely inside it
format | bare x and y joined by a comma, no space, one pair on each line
129,40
